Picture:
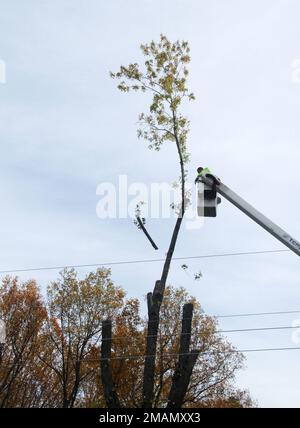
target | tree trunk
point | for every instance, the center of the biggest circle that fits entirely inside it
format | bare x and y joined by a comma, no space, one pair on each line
186,361
154,302
110,394
155,299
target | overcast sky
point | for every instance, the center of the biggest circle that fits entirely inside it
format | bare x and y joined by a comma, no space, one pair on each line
64,128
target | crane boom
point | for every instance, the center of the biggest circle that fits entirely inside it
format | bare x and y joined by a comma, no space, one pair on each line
257,216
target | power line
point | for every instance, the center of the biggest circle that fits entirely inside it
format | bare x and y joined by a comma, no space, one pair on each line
176,354
257,329
126,262
254,314
233,351
241,330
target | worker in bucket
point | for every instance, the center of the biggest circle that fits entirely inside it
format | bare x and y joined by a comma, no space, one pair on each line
205,172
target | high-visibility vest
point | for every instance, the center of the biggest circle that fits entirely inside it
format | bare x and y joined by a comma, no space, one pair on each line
204,171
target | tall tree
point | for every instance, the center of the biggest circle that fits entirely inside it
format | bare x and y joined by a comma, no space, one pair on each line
164,75
76,309
22,380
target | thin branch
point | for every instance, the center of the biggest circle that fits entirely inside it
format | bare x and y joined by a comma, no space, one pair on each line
143,228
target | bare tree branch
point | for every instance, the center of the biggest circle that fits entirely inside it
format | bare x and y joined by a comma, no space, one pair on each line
143,228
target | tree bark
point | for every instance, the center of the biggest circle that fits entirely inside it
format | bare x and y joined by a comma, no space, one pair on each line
186,361
154,301
110,394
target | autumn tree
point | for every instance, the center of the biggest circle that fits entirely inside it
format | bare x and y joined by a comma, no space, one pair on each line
23,382
212,383
53,350
164,76
76,308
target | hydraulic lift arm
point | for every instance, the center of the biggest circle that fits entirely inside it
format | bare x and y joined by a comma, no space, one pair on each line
255,215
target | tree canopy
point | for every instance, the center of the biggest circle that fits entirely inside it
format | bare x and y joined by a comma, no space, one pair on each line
52,354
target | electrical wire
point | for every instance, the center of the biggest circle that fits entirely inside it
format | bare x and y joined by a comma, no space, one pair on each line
233,351
254,314
124,262
241,330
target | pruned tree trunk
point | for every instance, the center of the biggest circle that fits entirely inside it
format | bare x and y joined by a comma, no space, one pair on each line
154,301
186,361
153,313
110,394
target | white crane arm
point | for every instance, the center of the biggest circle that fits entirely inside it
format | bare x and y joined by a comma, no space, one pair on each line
257,216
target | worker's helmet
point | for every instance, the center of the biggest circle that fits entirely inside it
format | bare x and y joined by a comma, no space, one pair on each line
199,169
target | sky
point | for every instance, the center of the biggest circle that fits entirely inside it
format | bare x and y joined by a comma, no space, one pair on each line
65,129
